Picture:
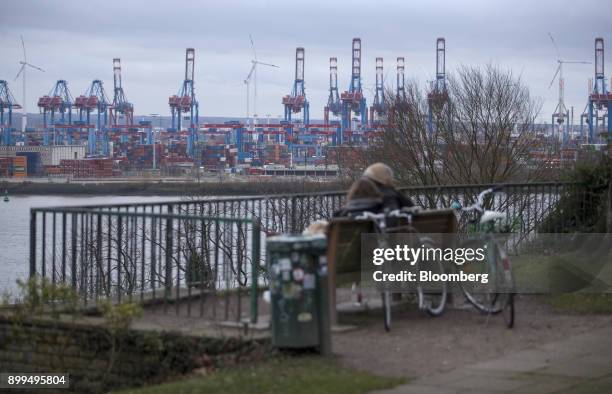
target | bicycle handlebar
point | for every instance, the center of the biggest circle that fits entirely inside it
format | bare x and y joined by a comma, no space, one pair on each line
398,213
477,206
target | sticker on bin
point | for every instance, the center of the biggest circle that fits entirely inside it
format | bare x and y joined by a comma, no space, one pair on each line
323,270
298,274
285,264
309,281
304,317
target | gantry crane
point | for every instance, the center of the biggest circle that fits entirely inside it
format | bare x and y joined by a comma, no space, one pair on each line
59,101
584,117
600,98
95,99
333,101
379,106
353,100
296,101
186,103
400,90
120,103
438,95
7,104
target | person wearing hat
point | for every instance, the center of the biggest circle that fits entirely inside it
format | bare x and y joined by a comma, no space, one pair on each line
374,192
382,176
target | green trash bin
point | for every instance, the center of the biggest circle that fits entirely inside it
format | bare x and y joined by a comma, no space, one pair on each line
297,267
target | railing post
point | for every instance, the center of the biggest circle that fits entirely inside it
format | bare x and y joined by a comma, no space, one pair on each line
73,248
169,250
32,243
293,214
98,249
255,257
608,206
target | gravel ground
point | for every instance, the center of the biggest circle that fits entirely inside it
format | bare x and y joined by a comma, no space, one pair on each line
419,345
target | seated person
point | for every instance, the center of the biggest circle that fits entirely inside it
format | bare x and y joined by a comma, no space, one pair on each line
374,192
363,195
382,175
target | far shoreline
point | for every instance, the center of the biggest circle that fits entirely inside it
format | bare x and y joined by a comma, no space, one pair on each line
165,187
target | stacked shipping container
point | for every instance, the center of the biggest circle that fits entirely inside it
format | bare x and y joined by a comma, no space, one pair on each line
87,168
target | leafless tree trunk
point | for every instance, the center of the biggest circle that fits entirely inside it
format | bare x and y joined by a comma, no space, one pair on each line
482,130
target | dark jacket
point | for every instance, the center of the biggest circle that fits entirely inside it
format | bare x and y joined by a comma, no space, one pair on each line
392,199
368,195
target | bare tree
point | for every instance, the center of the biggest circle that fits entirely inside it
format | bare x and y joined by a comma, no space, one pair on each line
481,130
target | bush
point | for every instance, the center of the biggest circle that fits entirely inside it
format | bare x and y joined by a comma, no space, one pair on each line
583,208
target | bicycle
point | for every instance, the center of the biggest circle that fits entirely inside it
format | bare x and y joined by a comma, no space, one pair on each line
497,295
432,302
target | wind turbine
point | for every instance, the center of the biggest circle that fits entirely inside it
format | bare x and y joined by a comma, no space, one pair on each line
24,64
253,74
561,112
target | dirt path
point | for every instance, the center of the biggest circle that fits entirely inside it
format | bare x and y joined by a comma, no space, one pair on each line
419,345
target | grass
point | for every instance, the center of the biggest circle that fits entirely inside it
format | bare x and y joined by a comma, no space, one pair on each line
578,281
582,303
297,375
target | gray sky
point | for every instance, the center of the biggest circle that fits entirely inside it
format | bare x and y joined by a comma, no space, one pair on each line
76,40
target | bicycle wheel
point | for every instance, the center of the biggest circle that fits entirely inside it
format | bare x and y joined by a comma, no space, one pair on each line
432,296
386,304
496,294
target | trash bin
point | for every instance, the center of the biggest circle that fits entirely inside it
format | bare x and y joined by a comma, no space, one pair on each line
297,267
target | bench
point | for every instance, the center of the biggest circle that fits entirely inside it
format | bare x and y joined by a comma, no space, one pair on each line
344,245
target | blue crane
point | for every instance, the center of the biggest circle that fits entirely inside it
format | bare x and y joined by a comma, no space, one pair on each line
95,99
7,104
400,91
600,98
379,106
333,101
353,100
59,100
296,102
437,96
186,102
120,103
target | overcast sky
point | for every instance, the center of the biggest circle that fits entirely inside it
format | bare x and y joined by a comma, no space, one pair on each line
76,41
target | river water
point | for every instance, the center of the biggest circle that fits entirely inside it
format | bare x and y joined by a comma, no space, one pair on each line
15,232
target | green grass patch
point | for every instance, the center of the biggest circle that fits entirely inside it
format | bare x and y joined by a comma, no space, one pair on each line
582,303
297,375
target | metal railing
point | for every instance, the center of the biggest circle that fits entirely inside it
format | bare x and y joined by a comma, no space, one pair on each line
293,212
211,250
172,260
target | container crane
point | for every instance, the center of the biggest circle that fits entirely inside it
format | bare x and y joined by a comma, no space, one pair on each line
95,99
120,103
584,117
333,101
59,100
438,95
600,98
186,103
296,101
7,104
400,91
379,106
353,100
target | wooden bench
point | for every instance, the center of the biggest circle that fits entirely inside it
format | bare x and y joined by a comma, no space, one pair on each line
344,245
